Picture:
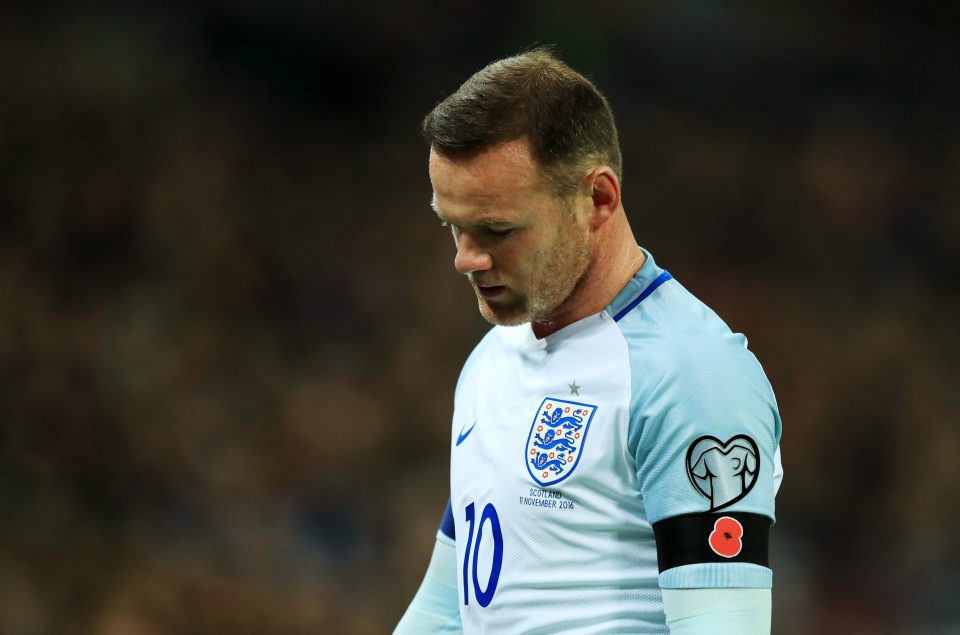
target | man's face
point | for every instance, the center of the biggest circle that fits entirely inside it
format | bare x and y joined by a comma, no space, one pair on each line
522,248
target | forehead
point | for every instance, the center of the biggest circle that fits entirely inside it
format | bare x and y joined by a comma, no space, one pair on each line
487,179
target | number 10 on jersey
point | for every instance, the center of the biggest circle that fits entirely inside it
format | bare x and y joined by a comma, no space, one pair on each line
483,596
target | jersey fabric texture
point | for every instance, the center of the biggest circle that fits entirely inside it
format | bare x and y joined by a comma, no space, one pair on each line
566,451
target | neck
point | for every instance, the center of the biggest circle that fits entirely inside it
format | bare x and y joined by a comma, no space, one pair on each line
615,259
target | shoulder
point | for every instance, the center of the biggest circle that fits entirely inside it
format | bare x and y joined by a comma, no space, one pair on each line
687,366
673,335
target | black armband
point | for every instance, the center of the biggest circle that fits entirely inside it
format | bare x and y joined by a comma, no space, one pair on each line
723,537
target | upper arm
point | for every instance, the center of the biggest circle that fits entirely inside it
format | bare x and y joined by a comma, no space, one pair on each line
704,432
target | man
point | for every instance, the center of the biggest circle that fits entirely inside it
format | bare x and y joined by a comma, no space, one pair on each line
614,449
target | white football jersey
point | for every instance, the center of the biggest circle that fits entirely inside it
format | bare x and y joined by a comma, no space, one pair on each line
568,450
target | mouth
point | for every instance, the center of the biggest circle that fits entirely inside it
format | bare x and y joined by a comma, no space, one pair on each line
490,291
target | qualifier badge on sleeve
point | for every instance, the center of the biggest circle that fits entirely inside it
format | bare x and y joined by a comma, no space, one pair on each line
723,472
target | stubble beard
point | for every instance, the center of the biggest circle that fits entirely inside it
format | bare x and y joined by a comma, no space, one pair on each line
564,266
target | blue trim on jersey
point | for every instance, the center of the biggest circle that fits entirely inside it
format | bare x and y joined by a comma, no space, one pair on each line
446,525
663,277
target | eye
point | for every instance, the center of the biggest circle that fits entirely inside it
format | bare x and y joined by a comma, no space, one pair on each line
500,232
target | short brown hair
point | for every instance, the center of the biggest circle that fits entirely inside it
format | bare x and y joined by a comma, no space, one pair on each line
534,95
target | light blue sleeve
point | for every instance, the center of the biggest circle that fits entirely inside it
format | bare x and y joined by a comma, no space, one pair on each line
435,609
704,426
717,611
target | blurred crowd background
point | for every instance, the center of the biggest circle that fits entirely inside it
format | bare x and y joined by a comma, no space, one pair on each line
230,326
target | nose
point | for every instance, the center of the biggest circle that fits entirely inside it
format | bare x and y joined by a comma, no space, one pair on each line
470,257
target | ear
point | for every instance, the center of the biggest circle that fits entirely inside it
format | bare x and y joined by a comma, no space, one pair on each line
604,188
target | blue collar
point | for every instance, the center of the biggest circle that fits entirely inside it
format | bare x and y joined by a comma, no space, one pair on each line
643,283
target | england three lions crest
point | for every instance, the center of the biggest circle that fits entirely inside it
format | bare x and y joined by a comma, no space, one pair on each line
556,439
